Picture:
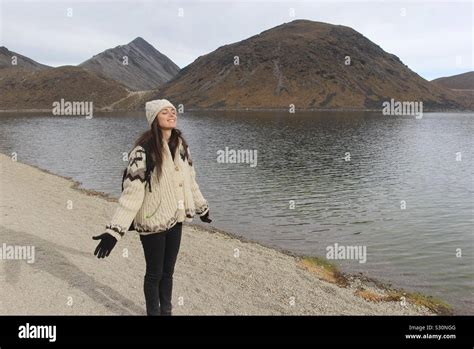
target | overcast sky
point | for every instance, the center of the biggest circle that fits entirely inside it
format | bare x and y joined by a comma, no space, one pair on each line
433,38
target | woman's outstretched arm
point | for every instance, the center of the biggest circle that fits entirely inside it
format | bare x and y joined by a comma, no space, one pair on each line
201,204
132,196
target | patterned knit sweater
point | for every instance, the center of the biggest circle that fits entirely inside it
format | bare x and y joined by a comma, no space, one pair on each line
175,197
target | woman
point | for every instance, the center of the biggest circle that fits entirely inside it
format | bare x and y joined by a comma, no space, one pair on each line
157,214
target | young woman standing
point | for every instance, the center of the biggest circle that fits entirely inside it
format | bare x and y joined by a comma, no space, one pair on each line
157,213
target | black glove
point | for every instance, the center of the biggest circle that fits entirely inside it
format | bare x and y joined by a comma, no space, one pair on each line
106,245
206,218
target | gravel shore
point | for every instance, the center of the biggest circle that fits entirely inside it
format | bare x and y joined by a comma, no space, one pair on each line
216,273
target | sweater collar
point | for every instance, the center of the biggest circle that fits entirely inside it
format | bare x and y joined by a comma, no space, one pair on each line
168,151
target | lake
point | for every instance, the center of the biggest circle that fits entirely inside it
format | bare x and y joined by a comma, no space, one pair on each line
399,186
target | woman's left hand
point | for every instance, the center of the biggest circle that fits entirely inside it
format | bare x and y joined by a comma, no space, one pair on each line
206,218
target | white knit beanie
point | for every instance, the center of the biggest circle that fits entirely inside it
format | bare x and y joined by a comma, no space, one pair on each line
152,108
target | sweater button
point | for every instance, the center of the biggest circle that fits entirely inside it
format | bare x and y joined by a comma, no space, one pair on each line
180,184
176,168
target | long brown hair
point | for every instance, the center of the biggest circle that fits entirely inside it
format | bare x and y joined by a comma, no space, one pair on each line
153,138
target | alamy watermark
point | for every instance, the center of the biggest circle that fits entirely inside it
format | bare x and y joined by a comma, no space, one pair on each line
232,156
394,107
28,331
81,108
17,252
337,251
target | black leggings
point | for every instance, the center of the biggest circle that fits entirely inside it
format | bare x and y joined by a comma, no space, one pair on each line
161,252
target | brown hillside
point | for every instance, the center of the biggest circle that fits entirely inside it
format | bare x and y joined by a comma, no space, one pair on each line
302,63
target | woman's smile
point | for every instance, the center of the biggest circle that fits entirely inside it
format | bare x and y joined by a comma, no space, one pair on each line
167,118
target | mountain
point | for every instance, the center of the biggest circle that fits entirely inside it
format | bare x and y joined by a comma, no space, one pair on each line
38,89
22,61
463,81
302,63
462,85
147,68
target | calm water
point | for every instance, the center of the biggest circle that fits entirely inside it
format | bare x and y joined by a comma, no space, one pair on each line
301,158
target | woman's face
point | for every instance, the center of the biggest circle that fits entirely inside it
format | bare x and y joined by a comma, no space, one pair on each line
167,118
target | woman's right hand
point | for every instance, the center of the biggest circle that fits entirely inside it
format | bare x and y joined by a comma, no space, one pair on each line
106,245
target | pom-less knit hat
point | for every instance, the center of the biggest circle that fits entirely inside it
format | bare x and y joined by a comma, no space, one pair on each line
152,108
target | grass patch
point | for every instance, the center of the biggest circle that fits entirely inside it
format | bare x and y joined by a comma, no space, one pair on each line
432,303
436,305
324,269
376,297
329,272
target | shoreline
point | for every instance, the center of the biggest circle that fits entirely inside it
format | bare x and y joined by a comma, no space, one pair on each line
211,256
108,111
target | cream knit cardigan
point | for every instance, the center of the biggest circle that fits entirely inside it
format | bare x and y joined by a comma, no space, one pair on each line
176,197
